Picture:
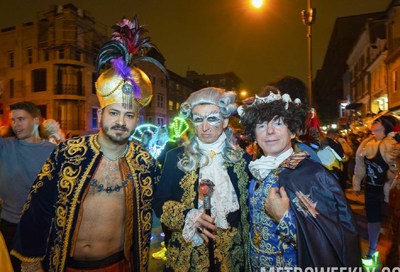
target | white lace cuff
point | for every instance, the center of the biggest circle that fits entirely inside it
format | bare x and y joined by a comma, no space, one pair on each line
189,230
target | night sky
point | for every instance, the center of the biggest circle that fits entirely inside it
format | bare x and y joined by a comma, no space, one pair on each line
217,36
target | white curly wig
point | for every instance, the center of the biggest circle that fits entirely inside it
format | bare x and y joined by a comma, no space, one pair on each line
192,156
211,95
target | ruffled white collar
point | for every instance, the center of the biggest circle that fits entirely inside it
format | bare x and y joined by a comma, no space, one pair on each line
261,167
214,148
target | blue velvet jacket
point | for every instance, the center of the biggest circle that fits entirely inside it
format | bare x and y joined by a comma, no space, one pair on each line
49,226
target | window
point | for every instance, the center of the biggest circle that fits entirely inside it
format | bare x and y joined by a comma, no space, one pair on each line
11,60
395,80
29,55
154,80
61,54
79,79
77,55
162,82
11,83
178,106
43,110
95,124
170,105
46,55
160,101
39,80
160,121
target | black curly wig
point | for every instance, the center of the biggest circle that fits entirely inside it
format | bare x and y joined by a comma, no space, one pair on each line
294,116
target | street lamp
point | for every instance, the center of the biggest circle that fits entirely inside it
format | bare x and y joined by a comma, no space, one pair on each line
308,18
257,3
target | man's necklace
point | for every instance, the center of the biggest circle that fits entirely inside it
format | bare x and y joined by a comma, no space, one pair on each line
99,187
118,156
108,189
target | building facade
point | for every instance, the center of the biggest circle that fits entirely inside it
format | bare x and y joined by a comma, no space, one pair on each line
51,63
392,60
228,81
374,64
328,88
367,70
362,65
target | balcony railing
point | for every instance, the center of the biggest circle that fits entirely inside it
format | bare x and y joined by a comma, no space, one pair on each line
69,89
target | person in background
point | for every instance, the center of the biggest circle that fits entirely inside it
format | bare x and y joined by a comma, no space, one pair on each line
296,206
89,208
180,200
332,155
348,157
52,131
373,158
146,138
21,158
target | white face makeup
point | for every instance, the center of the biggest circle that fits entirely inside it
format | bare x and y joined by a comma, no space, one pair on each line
213,118
208,122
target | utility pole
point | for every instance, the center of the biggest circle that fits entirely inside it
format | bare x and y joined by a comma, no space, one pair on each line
308,18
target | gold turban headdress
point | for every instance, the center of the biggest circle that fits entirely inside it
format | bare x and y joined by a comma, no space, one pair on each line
123,82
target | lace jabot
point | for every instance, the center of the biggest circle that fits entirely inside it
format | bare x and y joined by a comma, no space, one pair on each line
224,199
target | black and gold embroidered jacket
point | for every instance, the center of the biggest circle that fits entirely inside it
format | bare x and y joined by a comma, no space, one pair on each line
177,194
50,223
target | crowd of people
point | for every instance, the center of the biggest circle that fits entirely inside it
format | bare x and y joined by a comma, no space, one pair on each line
273,197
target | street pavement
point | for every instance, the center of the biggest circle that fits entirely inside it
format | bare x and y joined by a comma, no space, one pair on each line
357,205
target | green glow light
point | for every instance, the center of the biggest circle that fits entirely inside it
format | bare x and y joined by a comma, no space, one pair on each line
177,128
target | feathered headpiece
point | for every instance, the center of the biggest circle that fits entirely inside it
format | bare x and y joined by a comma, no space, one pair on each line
123,82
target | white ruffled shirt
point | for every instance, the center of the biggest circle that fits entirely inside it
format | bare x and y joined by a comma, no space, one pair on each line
261,167
223,200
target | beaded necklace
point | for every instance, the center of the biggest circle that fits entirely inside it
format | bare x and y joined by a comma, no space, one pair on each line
100,187
109,189
118,156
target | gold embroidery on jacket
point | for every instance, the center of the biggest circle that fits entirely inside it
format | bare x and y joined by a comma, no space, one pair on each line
75,154
182,256
172,215
228,253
